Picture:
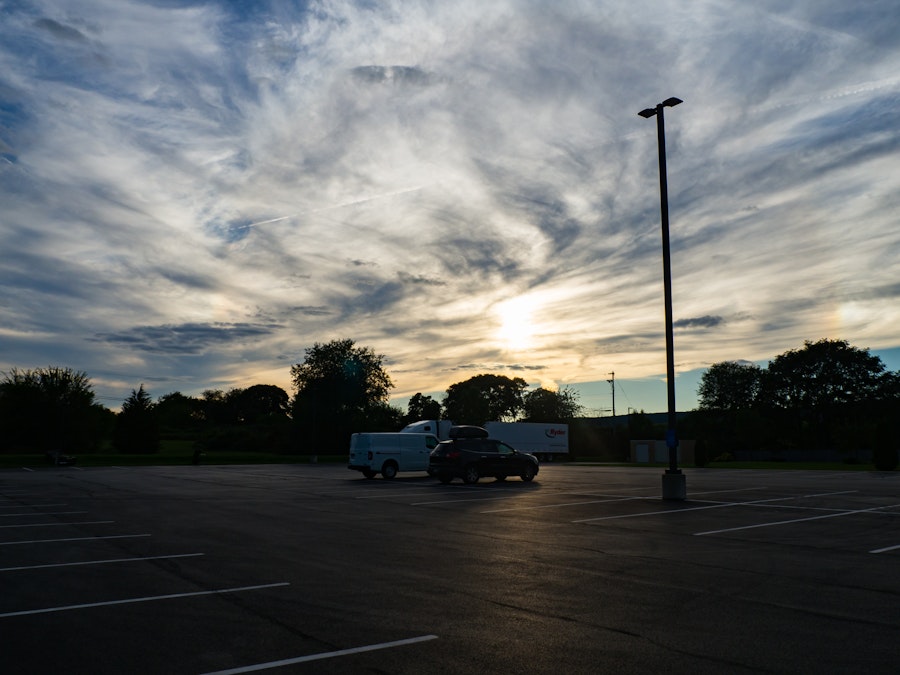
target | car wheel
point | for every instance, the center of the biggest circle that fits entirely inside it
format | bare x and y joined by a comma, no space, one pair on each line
389,470
471,475
528,473
501,477
368,473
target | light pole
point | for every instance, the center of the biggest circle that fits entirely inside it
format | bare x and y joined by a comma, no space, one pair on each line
673,480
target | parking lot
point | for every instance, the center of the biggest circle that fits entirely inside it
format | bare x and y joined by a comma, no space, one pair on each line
314,569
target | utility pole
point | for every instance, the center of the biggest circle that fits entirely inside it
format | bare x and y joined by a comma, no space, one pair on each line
613,383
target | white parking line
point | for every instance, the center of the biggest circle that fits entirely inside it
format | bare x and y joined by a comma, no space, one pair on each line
31,506
553,506
324,655
51,541
718,505
399,493
90,522
150,598
463,500
795,520
796,507
41,513
610,498
716,492
99,562
885,549
654,513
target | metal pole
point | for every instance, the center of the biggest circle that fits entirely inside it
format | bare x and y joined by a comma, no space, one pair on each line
612,383
671,435
673,480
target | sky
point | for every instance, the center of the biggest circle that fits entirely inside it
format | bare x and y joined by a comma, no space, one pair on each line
192,194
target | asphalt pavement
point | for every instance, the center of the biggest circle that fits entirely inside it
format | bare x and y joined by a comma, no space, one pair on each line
315,569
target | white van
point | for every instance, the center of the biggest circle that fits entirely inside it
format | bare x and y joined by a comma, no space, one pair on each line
388,453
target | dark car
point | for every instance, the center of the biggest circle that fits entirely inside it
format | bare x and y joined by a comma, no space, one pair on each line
472,458
59,459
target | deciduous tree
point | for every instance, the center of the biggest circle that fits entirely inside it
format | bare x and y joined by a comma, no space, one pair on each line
334,387
423,408
485,398
822,374
49,409
546,405
259,403
729,385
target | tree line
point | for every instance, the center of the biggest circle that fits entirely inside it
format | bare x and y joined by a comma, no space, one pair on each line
340,388
827,395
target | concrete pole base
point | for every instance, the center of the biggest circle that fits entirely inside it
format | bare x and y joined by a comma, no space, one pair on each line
674,486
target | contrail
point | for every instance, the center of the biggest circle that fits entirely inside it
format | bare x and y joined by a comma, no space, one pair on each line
332,207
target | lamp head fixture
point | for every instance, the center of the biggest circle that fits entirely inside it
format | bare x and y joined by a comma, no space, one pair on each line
647,113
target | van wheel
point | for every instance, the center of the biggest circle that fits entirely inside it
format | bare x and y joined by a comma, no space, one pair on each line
471,475
389,470
368,473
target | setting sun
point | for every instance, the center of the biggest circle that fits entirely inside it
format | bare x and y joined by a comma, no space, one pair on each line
517,329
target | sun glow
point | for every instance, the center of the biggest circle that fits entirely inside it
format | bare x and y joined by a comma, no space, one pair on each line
517,330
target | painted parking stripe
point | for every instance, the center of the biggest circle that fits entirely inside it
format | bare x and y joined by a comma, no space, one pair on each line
399,493
716,492
31,506
553,506
609,498
99,562
795,520
885,549
463,500
717,505
149,598
324,655
52,541
90,522
42,513
654,513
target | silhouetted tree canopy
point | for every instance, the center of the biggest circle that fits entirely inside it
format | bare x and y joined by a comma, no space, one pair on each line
337,386
485,398
827,395
48,409
546,405
259,402
215,408
379,416
822,374
137,430
176,412
729,386
423,408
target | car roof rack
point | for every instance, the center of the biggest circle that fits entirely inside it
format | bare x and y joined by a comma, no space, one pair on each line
467,431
